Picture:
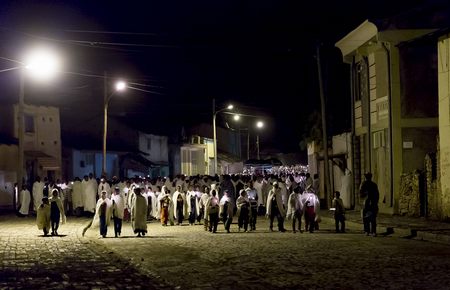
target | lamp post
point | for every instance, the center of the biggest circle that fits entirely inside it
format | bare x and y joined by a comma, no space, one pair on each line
119,86
42,65
259,125
229,107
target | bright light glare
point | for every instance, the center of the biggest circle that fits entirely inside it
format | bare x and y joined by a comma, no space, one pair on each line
42,64
259,124
236,117
230,107
120,86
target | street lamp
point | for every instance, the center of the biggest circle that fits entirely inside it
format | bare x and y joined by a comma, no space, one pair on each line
229,107
119,87
41,64
259,125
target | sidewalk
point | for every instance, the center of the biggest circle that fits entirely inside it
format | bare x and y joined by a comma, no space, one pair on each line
411,227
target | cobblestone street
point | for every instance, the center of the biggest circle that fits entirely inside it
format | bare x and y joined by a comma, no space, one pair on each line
31,261
188,257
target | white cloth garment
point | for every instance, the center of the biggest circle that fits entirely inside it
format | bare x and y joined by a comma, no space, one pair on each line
89,189
38,193
277,194
77,194
118,205
139,213
25,199
104,186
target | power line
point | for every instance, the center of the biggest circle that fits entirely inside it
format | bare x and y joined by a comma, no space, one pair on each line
109,32
9,69
145,85
12,60
118,43
152,92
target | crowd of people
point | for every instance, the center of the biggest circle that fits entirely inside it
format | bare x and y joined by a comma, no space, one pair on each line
194,200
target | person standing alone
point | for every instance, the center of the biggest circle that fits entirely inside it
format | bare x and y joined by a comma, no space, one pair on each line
369,192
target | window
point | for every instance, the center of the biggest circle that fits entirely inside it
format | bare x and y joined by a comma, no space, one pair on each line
29,123
361,86
149,144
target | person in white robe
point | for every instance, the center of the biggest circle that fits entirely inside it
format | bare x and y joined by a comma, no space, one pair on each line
257,185
24,201
275,207
104,186
90,194
312,206
43,216
193,207
38,192
77,196
118,208
179,205
203,200
295,209
103,211
139,213
198,195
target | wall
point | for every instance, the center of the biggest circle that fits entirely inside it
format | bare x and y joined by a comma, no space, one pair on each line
444,121
92,162
423,141
8,169
342,145
157,150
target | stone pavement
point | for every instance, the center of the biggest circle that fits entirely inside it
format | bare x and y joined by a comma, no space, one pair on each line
412,227
187,257
30,261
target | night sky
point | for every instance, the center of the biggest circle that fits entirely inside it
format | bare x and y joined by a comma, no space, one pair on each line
259,55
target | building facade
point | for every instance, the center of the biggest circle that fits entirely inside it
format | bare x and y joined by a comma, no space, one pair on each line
394,112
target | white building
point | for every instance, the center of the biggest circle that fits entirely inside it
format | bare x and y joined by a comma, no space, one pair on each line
42,147
155,148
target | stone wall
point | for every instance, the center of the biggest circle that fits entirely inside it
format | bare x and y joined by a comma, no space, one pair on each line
409,200
434,200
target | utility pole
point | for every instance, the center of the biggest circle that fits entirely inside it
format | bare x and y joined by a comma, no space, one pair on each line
20,136
324,130
105,121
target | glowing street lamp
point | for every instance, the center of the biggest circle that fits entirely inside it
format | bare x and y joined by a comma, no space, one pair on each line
259,125
119,86
236,117
42,65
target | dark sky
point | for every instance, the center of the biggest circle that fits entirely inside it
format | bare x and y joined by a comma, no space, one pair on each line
256,54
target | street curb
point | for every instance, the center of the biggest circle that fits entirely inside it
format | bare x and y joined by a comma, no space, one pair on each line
410,233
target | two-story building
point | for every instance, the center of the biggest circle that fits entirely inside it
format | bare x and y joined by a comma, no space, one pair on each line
42,146
394,101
